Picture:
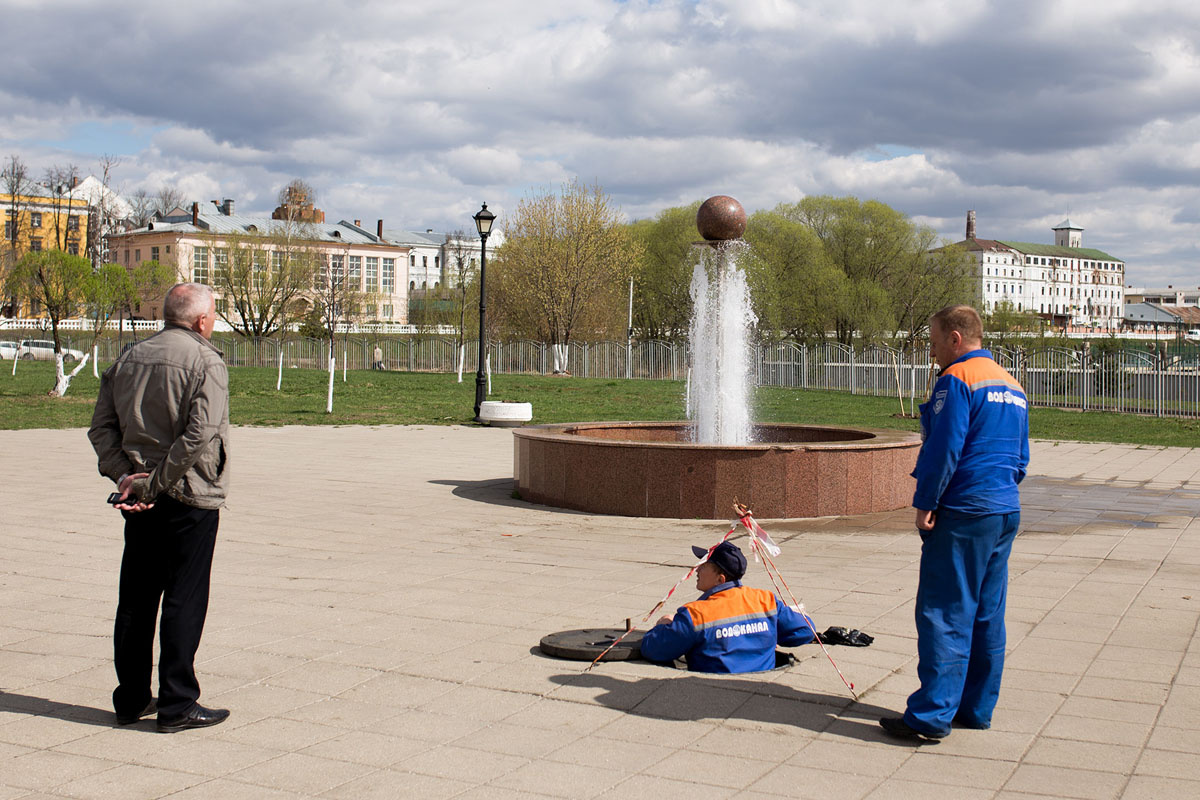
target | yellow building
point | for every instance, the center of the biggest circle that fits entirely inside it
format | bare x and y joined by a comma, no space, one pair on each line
40,218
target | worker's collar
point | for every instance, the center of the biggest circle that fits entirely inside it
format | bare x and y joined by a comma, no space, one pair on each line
720,588
980,353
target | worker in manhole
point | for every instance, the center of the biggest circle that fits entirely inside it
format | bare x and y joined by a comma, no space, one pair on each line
731,627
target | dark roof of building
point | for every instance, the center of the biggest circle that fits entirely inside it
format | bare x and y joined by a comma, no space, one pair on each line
1056,250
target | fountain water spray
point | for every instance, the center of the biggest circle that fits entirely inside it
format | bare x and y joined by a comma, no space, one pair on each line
721,326
722,353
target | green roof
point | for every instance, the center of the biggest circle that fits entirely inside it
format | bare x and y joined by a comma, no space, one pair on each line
1054,250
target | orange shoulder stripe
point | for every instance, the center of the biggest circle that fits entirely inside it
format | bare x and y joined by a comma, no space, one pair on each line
977,373
731,605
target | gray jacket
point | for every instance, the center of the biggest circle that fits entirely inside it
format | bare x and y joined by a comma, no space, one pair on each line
164,409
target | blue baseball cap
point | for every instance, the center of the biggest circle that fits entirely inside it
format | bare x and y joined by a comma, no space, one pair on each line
727,557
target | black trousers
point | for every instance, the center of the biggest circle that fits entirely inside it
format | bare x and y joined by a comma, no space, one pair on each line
168,557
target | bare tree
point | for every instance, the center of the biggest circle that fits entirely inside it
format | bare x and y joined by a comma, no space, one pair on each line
142,208
458,258
340,302
102,214
167,199
14,178
61,181
296,193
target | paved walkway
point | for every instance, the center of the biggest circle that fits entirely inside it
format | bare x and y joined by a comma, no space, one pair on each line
378,596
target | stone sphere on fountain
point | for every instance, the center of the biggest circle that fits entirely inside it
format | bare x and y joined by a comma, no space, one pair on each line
721,218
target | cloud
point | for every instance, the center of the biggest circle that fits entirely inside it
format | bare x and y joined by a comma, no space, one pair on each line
1023,110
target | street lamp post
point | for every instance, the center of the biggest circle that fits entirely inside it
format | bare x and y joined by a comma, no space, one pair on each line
483,224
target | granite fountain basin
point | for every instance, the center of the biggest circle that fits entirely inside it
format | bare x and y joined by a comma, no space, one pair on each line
653,469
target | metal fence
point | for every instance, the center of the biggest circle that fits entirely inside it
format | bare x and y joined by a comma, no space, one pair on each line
1130,381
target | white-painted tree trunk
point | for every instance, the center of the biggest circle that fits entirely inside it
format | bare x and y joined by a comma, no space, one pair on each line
15,360
62,379
95,361
343,363
462,356
559,351
279,380
487,362
329,398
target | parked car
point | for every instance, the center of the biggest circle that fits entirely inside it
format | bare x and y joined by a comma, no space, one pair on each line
43,350
8,349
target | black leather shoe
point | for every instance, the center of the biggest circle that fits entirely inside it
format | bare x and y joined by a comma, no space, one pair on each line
151,708
896,726
198,717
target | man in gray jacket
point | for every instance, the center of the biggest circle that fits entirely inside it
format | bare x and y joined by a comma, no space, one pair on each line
161,432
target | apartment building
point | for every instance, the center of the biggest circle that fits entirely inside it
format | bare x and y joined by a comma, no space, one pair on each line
1064,282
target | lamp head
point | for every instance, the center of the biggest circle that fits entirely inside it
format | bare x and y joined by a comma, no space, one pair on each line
483,221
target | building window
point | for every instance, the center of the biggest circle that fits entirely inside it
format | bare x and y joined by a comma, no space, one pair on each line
389,275
354,276
437,262
412,261
425,262
137,256
35,246
372,274
276,260
221,264
8,230
387,311
260,269
154,254
222,305
167,249
35,219
199,264
73,247
72,223
337,270
127,256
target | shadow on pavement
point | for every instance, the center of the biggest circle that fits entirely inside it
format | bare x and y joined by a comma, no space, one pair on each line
694,697
498,492
41,707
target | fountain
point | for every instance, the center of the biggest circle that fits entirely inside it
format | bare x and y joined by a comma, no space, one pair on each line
696,469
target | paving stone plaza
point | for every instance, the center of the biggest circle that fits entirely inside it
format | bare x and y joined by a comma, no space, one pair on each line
378,596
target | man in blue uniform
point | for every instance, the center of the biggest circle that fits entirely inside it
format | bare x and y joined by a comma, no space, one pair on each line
975,452
731,628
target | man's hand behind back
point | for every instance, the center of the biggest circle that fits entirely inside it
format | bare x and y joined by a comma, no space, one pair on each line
124,486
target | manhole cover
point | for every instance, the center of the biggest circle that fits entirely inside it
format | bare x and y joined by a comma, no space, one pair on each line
587,643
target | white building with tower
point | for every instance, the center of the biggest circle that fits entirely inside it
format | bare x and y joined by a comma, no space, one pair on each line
1065,283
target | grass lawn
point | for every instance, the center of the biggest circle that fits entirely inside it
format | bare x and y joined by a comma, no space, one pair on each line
413,398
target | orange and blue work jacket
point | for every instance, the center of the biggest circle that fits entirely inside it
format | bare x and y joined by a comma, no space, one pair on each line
975,429
731,628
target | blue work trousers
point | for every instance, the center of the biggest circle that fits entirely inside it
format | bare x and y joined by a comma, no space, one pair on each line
960,620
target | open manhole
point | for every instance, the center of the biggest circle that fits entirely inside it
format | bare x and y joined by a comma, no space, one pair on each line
587,643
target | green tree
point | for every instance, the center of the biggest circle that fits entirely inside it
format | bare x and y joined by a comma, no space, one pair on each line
563,268
60,282
662,305
793,286
263,275
1004,320
885,278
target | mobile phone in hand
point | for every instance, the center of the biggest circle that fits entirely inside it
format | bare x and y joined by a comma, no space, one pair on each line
115,498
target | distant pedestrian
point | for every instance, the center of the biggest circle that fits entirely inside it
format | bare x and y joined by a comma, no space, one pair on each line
975,452
378,361
161,431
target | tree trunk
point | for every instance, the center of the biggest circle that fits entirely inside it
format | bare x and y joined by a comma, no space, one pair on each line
62,380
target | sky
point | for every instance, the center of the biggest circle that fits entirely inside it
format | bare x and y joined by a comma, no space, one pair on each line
1027,112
